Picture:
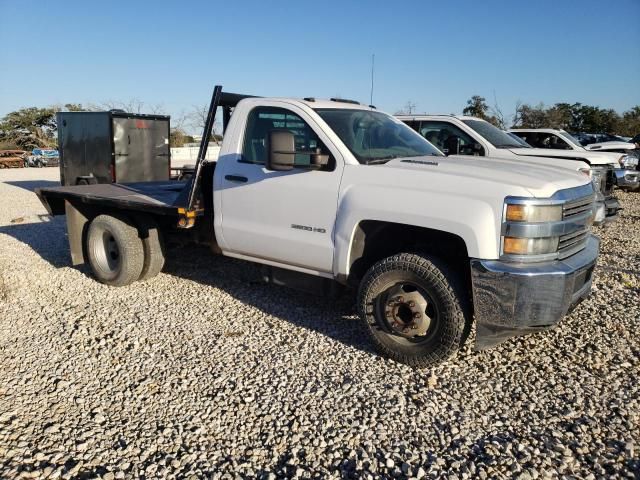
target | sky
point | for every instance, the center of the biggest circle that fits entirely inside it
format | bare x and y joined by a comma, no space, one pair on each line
436,54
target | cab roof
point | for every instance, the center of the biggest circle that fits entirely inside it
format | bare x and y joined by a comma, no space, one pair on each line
429,116
317,103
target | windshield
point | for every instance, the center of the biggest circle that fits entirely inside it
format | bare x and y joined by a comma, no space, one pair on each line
518,139
375,137
494,135
571,139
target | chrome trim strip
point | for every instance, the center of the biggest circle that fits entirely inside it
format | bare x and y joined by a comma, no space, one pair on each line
549,229
560,197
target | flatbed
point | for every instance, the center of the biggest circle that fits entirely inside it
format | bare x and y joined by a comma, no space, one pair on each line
161,198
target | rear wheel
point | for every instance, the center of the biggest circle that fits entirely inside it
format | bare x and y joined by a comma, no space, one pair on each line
114,250
412,309
153,247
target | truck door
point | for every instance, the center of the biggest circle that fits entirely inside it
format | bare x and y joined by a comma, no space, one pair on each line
286,217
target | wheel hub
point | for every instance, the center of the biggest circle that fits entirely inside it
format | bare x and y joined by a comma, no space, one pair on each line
406,311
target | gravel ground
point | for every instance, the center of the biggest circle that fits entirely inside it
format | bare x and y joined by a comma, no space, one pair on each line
204,372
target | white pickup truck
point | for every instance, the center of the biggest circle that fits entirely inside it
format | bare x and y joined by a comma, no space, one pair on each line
626,164
464,135
330,193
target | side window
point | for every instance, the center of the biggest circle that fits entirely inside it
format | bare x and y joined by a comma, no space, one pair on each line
524,136
264,119
448,138
414,124
546,140
559,143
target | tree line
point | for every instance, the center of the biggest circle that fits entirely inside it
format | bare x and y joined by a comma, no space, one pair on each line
573,117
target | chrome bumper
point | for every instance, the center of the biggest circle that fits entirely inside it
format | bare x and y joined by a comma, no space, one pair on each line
606,209
514,299
627,178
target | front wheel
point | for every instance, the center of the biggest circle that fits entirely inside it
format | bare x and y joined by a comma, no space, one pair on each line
412,309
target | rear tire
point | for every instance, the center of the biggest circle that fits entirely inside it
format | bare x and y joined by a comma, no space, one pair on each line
114,250
153,247
412,309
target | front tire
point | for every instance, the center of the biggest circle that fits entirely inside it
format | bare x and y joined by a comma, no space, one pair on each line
412,309
114,250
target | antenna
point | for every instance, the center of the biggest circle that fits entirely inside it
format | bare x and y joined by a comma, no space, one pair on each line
373,59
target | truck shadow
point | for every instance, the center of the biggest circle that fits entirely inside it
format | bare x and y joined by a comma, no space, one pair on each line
336,318
31,185
46,235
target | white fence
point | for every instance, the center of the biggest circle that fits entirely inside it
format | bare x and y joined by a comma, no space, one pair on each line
181,156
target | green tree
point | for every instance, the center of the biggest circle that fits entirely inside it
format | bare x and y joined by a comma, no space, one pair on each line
178,137
477,107
630,122
528,116
28,128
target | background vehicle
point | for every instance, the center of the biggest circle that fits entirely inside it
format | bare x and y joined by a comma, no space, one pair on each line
12,158
105,147
626,173
327,194
604,142
42,157
463,135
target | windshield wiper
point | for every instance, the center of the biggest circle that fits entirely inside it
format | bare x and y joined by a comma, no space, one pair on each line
380,160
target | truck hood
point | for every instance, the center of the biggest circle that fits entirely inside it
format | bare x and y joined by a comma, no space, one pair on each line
594,158
539,180
604,146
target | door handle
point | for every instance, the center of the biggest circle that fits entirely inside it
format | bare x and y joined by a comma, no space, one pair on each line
236,178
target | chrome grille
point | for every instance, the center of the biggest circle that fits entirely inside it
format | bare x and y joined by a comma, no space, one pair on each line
572,243
576,208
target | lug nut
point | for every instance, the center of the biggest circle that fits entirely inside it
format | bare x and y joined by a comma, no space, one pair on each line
412,304
417,315
400,299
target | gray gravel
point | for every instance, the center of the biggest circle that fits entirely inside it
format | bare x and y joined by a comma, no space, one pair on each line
204,372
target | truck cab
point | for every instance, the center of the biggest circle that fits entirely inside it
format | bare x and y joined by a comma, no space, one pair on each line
466,135
331,194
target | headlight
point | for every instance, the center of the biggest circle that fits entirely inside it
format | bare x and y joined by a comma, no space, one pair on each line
529,246
586,171
533,213
628,161
596,178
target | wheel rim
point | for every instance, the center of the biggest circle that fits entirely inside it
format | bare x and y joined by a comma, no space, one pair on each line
106,252
407,312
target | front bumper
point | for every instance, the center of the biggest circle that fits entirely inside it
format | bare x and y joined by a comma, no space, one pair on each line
628,179
513,299
606,209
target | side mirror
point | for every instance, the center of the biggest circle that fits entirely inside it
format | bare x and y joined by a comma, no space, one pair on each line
281,150
477,148
318,159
